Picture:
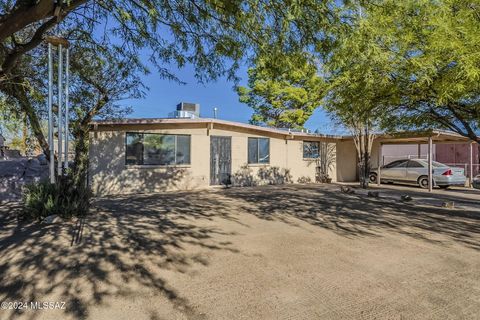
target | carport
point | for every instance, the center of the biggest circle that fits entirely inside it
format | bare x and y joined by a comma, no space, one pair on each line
429,138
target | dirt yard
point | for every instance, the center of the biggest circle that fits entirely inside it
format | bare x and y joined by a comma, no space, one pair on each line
273,252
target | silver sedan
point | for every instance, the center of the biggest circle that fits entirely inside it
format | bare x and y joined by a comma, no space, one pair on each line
415,171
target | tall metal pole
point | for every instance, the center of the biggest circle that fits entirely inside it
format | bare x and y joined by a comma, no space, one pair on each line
67,76
50,115
379,176
60,104
430,164
470,176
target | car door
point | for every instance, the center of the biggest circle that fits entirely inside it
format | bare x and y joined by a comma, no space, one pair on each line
415,169
396,170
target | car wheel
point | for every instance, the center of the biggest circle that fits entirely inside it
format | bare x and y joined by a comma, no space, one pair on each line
373,177
423,182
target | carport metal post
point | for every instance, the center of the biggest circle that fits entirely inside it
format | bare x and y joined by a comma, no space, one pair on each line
379,164
430,164
470,178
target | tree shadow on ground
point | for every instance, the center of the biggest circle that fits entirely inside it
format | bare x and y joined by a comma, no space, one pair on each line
120,249
460,195
128,244
353,215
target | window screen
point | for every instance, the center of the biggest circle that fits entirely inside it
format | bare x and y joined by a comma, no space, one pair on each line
134,148
258,150
183,150
311,149
157,149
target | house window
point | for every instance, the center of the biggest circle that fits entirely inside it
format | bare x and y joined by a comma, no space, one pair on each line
134,148
258,150
157,149
311,149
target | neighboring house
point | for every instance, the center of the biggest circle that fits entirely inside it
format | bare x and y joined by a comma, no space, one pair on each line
455,154
459,155
396,152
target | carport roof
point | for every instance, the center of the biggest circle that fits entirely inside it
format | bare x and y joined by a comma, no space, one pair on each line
416,137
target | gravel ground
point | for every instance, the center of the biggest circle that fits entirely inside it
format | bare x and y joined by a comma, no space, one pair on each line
272,252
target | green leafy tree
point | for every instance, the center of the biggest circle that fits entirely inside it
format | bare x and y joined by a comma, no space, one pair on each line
405,65
360,86
109,36
429,53
100,80
439,65
9,120
284,89
212,36
14,127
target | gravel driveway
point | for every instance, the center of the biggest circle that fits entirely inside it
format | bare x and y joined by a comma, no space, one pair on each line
272,252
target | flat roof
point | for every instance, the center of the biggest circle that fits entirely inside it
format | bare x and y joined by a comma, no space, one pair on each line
179,121
402,137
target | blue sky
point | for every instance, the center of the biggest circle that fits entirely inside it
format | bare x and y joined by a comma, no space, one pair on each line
164,95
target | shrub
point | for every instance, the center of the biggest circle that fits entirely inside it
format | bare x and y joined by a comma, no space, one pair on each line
63,198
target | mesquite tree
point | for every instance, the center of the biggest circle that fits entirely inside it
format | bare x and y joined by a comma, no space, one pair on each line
212,36
427,51
101,79
359,86
437,65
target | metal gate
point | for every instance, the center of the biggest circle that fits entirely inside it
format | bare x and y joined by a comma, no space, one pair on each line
220,159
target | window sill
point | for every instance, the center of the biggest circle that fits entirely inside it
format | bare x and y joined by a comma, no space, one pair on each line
311,159
156,166
258,164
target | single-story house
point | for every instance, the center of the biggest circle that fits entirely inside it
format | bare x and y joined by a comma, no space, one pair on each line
154,155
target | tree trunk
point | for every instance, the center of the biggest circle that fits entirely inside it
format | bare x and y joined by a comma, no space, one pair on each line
80,165
23,15
17,90
25,134
363,139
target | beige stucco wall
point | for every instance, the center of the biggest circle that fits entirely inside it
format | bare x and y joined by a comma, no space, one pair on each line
110,175
346,161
